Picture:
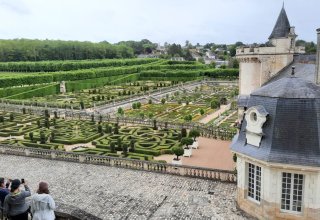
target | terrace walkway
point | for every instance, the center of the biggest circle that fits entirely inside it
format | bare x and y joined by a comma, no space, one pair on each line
116,193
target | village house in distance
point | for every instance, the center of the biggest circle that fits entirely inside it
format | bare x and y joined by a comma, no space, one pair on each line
278,147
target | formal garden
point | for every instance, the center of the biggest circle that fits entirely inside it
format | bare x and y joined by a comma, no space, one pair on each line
88,98
91,136
226,120
172,112
83,85
95,82
184,105
205,94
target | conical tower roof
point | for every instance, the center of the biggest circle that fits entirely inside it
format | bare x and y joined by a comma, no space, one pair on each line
282,27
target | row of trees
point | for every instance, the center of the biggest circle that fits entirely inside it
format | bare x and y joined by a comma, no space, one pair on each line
310,47
35,50
140,47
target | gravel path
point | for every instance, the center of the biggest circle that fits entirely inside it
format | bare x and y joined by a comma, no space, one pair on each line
215,114
115,193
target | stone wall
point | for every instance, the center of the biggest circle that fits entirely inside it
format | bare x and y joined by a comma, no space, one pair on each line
257,69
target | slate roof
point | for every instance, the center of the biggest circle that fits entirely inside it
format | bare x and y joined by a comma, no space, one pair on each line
282,27
303,70
292,130
243,100
289,87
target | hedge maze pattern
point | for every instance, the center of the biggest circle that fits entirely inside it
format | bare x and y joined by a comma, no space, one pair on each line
141,143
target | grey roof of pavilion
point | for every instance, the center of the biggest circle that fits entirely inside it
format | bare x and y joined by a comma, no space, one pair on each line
282,26
243,100
261,110
291,134
290,88
302,70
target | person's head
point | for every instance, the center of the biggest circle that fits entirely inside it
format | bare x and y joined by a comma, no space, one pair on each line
43,188
15,184
1,182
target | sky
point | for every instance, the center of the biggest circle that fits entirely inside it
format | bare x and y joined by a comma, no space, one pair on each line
172,21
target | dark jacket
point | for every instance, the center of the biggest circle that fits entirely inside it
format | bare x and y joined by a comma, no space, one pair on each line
15,203
3,193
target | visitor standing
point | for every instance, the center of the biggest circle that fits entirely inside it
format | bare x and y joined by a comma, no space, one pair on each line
15,205
42,204
3,191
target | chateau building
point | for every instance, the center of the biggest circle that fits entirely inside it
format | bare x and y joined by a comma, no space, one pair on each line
259,64
278,145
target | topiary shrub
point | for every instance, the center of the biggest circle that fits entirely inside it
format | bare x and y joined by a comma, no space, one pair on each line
131,146
42,138
178,151
113,147
186,141
31,136
194,134
125,150
183,132
155,124
11,117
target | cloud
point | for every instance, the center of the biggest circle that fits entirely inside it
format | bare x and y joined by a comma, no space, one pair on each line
16,6
219,21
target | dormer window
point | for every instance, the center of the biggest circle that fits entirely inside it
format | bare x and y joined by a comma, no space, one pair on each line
255,116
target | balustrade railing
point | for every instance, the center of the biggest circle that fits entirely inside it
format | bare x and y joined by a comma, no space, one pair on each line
181,170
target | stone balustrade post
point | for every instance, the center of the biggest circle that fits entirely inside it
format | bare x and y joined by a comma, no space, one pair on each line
82,158
27,152
145,166
53,155
182,171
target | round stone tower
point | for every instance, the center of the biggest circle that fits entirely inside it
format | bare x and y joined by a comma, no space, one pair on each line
278,149
260,63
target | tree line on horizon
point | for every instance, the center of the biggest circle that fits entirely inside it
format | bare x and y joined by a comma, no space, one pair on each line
38,50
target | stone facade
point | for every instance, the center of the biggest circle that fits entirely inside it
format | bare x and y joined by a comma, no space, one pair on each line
258,65
271,185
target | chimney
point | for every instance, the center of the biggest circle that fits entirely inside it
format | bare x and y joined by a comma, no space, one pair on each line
318,58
